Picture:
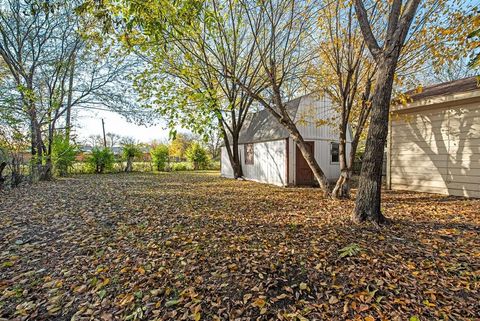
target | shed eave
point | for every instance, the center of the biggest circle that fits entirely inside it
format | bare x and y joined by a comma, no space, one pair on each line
437,101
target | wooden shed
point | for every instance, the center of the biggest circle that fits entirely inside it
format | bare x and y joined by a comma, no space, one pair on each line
434,141
269,155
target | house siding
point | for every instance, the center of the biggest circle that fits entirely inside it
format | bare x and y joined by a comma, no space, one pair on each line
226,169
315,118
436,150
269,163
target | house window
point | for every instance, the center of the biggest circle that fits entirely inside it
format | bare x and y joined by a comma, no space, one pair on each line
334,152
249,154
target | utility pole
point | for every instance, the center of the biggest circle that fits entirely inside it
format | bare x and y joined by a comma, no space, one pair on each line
104,137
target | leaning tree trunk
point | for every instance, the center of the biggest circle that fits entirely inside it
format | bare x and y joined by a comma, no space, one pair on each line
367,205
309,157
342,187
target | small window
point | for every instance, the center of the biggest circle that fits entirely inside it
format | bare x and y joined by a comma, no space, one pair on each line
249,154
334,153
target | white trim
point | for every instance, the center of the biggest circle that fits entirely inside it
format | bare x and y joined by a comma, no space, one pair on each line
437,101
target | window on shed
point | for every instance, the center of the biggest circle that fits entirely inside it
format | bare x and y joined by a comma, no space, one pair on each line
334,153
248,154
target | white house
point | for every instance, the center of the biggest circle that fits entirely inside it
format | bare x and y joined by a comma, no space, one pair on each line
269,155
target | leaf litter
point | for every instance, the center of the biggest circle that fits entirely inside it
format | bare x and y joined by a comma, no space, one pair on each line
193,246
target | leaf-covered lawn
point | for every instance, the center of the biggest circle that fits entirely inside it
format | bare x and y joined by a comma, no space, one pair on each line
195,246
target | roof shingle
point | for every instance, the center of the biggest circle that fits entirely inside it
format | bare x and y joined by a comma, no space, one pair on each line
446,88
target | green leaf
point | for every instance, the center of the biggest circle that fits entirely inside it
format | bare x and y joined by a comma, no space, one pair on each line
102,293
350,250
7,264
171,303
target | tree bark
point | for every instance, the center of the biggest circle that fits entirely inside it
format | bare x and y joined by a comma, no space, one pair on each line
232,151
236,162
2,179
129,166
341,189
68,119
37,148
367,205
47,169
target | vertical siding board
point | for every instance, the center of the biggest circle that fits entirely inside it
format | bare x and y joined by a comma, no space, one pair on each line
269,163
428,146
287,161
226,168
313,110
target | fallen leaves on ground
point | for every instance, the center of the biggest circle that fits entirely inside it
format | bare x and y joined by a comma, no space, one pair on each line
192,246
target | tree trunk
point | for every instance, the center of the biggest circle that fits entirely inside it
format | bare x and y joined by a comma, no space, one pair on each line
367,205
46,174
236,162
68,119
284,118
2,179
233,153
47,170
16,177
37,150
129,167
342,189
309,158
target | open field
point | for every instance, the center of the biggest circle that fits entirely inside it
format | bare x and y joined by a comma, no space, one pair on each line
190,245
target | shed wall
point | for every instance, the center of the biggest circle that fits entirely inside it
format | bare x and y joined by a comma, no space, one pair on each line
226,169
436,150
269,165
315,118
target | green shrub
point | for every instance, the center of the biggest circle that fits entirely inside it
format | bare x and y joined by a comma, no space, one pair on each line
160,157
130,151
198,156
214,165
63,155
100,160
181,166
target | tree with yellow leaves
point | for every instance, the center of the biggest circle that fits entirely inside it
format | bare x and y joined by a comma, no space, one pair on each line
344,74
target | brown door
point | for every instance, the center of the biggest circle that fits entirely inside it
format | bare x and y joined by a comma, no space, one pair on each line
303,173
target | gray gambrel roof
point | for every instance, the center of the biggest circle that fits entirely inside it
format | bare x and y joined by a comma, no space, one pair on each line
262,126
